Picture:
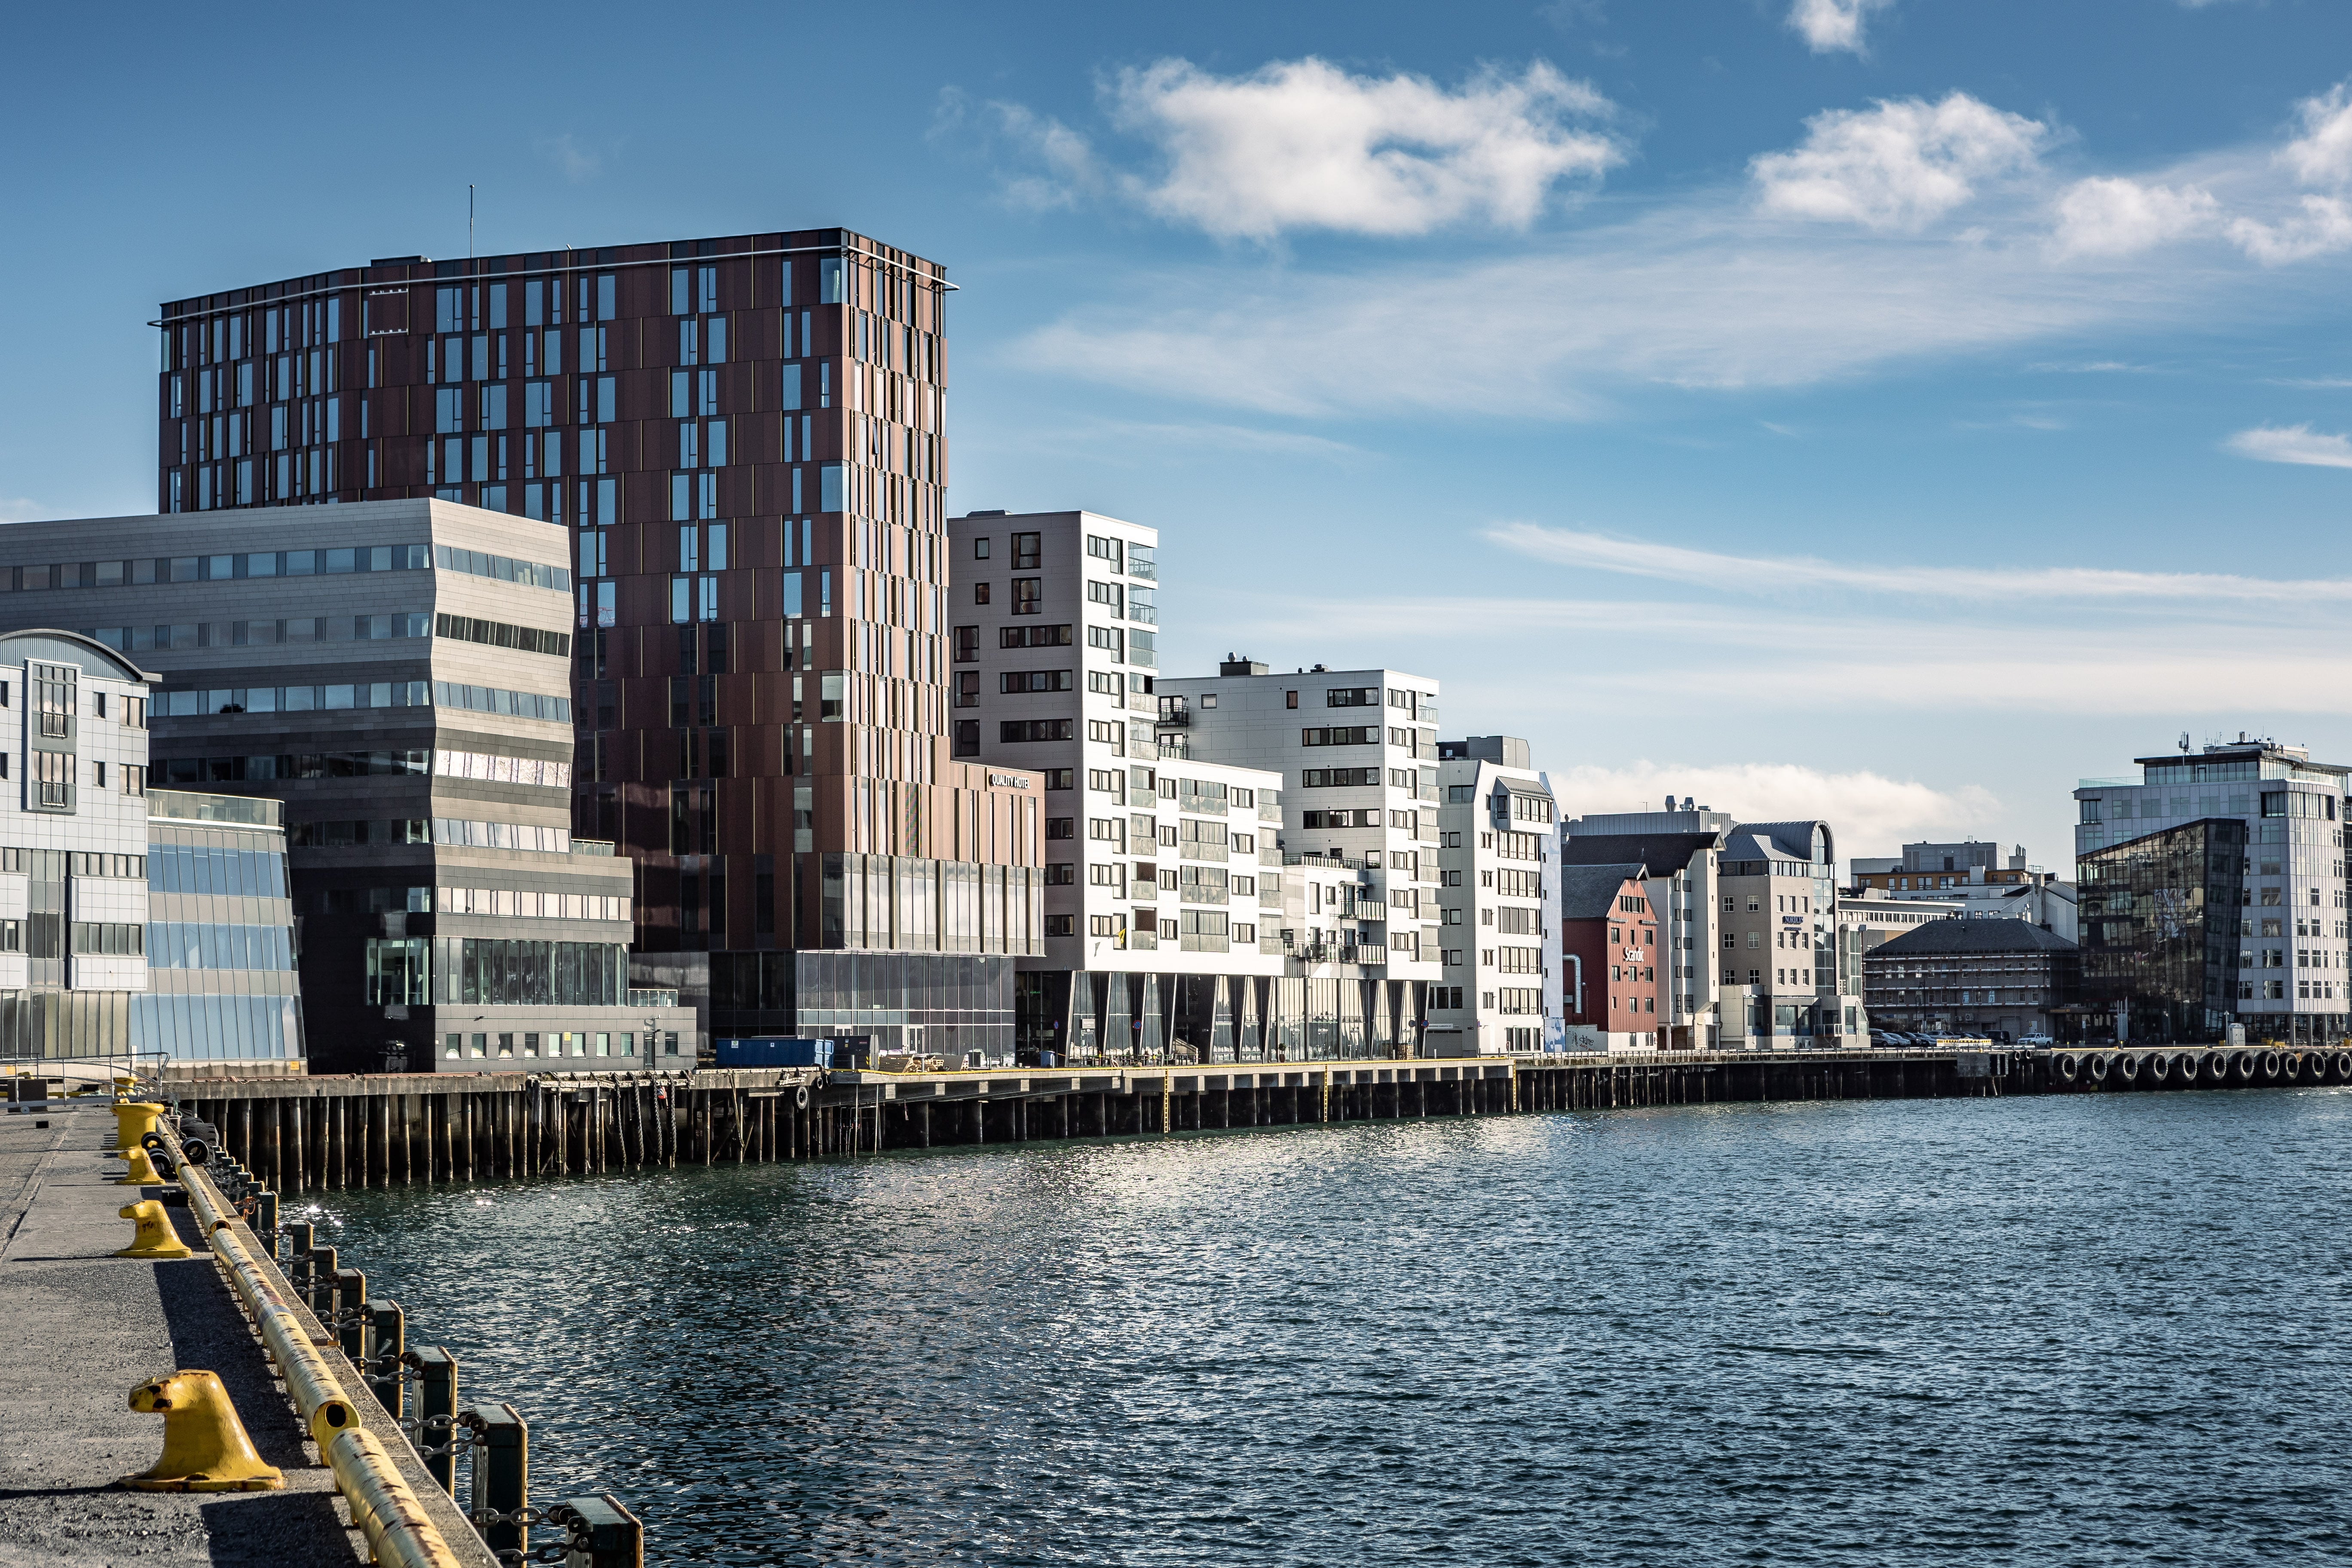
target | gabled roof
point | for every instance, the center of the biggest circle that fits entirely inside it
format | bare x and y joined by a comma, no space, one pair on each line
1784,840
1590,892
2000,935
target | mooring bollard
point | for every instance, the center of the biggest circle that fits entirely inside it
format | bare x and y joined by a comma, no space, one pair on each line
436,1413
204,1446
133,1120
604,1533
502,1476
387,1343
351,1319
321,1295
153,1236
141,1172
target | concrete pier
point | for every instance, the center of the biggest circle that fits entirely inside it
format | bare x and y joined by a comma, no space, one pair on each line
81,1328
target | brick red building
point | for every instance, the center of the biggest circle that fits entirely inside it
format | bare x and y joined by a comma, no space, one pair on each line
746,437
1610,985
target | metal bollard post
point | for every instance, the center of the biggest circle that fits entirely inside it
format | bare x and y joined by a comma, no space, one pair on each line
387,1342
322,1293
502,1474
264,1215
298,1248
436,1396
604,1533
351,1319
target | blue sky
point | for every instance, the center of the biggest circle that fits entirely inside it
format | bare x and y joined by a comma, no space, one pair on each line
1884,410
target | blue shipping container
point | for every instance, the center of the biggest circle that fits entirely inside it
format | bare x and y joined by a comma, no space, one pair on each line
773,1051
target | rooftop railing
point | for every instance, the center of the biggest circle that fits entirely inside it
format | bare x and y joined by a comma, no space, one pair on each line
184,806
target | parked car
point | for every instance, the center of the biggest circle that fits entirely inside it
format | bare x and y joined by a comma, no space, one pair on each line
2035,1042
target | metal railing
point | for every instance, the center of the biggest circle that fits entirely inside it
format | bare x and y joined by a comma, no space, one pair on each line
652,997
330,1342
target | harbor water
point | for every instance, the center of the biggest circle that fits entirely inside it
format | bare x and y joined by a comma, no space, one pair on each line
2068,1330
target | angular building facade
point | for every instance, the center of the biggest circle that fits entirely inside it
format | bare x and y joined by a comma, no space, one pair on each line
2284,944
1498,902
744,440
395,673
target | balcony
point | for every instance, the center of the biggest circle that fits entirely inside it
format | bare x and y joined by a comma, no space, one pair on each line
652,998
1176,718
592,846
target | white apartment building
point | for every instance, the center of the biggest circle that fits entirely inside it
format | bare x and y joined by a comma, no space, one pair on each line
1498,902
1683,848
1165,899
1356,752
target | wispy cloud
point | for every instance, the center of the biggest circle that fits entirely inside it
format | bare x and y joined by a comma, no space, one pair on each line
19,509
1677,563
2291,444
1841,256
1828,27
577,161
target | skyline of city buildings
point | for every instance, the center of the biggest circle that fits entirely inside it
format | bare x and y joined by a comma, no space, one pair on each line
745,437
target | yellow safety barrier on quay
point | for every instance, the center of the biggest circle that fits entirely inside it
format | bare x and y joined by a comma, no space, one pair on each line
400,1533
204,1446
141,1173
133,1120
154,1237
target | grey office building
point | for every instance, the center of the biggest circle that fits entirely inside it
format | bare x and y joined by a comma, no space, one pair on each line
397,673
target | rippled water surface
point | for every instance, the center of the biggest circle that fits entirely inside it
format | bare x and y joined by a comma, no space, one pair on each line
2080,1330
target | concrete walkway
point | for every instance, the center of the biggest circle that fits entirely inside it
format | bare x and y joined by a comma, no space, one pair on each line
79,1330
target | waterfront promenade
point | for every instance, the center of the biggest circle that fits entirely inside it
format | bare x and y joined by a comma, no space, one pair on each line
82,1328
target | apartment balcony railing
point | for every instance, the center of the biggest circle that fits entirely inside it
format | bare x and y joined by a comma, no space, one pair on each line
1182,718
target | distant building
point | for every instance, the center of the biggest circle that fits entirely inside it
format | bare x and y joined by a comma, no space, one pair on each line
1988,882
1682,851
1499,901
1777,891
1165,901
1609,940
2001,979
223,993
1867,922
2165,911
1356,752
398,675
2275,958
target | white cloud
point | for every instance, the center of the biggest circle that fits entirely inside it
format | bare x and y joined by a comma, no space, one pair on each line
2124,217
2322,156
19,509
1899,165
2291,444
1678,563
1303,144
1862,808
2323,226
1832,24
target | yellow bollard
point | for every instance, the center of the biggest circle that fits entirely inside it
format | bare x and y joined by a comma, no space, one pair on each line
154,1237
133,1120
204,1446
142,1170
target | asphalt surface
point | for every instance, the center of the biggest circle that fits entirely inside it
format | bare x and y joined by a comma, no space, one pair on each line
79,1330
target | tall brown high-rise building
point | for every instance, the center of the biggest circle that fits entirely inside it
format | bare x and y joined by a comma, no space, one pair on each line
747,439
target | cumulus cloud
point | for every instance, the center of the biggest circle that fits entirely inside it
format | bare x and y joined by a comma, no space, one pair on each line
2322,156
1864,808
1303,144
1899,165
2124,217
1828,26
2324,226
1680,563
2291,444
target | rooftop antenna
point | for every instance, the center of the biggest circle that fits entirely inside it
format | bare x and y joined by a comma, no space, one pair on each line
470,220
2184,743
